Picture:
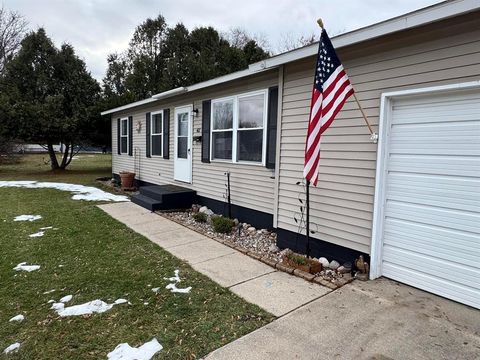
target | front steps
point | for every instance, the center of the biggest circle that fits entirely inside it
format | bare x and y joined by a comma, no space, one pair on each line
164,197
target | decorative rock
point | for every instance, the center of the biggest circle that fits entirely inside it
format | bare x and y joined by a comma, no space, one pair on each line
347,266
334,265
343,270
273,248
195,208
325,263
251,229
235,221
206,210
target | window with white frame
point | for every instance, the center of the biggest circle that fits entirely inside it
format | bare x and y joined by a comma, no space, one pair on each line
238,128
156,133
124,136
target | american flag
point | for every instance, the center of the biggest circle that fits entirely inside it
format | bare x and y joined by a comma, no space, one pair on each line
330,91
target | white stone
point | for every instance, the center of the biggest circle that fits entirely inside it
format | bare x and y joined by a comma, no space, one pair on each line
206,211
334,265
251,229
325,263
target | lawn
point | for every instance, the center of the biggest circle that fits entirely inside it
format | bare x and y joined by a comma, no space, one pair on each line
92,256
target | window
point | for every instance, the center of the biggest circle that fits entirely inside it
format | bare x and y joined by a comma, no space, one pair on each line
238,125
222,129
156,134
124,136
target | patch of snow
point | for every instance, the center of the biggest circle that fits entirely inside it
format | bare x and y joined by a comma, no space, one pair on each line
173,288
24,267
81,192
61,265
156,290
49,292
19,317
145,303
175,278
25,217
121,301
95,306
50,301
12,348
126,352
66,298
37,234
46,228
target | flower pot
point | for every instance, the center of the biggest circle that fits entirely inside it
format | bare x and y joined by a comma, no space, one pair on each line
127,179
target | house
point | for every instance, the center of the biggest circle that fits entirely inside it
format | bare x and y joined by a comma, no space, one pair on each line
411,202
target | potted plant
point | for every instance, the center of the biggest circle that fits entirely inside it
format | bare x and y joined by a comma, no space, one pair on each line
127,179
301,262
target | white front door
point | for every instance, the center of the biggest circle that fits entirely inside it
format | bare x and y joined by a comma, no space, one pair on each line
183,144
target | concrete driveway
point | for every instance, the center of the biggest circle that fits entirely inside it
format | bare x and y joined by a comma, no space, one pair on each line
378,319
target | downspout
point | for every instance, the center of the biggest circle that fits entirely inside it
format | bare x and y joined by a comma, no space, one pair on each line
277,155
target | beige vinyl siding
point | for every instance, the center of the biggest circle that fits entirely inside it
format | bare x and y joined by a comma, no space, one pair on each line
342,203
252,186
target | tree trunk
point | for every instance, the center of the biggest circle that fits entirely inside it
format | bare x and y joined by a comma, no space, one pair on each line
65,156
53,157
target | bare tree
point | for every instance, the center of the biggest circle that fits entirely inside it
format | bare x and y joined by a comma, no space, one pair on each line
12,28
238,37
288,42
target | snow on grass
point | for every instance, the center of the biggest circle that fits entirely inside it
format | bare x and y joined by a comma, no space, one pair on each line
156,290
49,292
120,301
23,267
37,234
12,348
176,277
126,352
173,288
81,192
173,285
95,306
46,228
18,318
25,217
66,298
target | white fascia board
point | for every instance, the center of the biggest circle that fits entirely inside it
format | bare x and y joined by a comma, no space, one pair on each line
413,19
128,106
169,93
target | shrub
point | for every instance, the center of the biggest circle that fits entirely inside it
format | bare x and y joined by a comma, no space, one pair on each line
200,217
222,224
296,258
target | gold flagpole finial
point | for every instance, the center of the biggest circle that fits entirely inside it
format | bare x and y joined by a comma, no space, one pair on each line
320,23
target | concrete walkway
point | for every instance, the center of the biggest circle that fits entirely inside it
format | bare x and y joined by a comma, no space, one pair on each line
277,292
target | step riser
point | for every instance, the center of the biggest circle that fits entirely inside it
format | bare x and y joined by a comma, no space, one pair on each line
167,196
140,202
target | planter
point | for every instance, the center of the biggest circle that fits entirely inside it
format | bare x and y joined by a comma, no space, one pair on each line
127,179
311,266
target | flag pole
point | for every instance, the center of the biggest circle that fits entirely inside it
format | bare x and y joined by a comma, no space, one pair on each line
307,227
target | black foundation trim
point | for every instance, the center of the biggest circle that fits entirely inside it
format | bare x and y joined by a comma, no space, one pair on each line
318,248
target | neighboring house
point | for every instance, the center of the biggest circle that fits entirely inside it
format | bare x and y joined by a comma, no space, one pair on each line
413,206
37,148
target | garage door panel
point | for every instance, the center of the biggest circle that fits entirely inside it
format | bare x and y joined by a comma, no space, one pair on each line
434,165
431,208
433,241
429,265
454,192
430,215
448,289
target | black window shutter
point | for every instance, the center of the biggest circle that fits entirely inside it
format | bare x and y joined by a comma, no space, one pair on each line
206,110
130,135
272,126
147,132
119,145
166,134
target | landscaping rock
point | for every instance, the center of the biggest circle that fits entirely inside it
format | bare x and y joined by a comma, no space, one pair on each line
206,210
334,265
325,263
251,229
273,248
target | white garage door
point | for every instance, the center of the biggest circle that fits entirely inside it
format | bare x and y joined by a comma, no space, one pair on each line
431,217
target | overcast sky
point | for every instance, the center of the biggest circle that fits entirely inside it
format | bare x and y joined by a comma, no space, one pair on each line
99,27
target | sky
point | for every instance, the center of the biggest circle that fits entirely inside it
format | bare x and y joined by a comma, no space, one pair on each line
97,28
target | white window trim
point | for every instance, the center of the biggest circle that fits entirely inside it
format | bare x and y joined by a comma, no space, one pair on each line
124,136
160,133
235,128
